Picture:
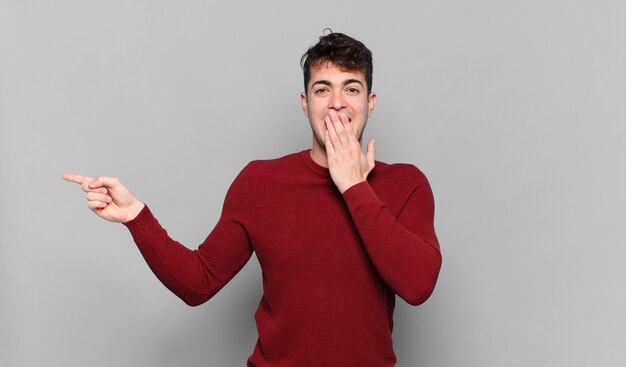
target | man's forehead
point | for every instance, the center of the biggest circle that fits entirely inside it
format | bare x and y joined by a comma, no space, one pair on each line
327,70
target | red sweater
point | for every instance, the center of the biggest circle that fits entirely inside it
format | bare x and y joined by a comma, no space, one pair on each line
332,263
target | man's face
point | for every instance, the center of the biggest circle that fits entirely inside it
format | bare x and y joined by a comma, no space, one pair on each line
343,91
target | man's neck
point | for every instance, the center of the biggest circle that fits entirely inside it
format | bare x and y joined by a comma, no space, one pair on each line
318,154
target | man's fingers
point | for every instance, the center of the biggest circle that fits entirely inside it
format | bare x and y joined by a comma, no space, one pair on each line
83,181
371,150
349,135
335,118
95,196
104,181
345,121
79,179
342,126
86,188
330,149
332,133
93,205
71,177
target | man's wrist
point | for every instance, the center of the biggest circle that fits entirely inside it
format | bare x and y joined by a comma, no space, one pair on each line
344,187
134,210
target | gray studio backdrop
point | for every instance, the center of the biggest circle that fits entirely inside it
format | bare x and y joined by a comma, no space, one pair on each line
515,110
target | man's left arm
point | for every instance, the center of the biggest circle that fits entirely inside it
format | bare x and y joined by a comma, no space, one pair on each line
404,249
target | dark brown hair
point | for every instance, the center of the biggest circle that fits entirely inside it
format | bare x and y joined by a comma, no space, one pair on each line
343,51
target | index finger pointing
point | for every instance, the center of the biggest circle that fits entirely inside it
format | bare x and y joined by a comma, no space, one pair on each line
79,179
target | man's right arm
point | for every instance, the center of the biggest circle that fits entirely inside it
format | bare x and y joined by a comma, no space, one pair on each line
193,275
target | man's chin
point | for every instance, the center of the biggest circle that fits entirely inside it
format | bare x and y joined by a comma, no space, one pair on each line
320,140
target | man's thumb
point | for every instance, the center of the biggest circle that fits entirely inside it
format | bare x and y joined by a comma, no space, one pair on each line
371,150
103,181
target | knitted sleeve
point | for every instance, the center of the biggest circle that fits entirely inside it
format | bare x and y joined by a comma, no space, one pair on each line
404,249
196,275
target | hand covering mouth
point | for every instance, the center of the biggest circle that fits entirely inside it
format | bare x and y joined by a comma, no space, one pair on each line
349,118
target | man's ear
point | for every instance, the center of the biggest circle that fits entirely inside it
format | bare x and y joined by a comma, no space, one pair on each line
305,105
371,102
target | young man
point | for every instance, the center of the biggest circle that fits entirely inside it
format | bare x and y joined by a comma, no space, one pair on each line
337,234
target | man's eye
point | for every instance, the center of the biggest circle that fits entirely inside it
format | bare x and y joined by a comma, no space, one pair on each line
321,90
353,90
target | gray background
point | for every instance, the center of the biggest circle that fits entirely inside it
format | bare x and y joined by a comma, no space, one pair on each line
514,110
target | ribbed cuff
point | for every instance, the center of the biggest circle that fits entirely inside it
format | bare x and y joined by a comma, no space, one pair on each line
137,225
361,195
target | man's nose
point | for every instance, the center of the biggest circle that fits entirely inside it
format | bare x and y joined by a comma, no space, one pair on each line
336,101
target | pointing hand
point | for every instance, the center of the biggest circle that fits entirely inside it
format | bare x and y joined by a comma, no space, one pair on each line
108,197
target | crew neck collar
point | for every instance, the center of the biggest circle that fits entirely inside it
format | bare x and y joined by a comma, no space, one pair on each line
312,165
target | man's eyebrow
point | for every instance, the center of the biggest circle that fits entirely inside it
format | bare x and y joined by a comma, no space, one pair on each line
350,81
345,82
323,82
